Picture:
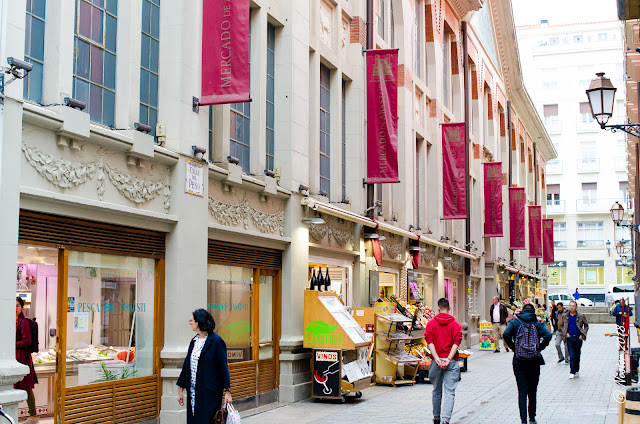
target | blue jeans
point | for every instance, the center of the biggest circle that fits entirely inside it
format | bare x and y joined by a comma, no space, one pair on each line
575,345
446,378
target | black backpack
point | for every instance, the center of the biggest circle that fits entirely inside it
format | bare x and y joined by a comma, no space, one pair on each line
34,347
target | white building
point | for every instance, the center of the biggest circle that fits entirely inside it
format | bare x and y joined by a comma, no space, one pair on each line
589,175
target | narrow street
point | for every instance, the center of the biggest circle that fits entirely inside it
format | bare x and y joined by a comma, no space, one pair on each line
486,394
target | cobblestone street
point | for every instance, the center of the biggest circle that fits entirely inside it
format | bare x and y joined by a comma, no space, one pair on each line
486,394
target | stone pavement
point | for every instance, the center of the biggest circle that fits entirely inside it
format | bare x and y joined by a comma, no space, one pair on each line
486,394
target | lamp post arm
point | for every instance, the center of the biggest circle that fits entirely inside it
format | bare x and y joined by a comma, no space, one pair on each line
631,129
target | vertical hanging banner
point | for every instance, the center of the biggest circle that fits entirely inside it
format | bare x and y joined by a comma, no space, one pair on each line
535,232
516,218
548,256
225,52
454,181
493,199
382,116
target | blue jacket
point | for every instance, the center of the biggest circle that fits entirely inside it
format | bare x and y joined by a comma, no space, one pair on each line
526,316
617,312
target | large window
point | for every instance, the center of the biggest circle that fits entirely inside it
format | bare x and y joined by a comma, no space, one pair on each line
557,274
590,234
446,70
591,273
271,72
94,65
560,234
343,165
417,40
325,130
239,144
149,53
34,49
589,194
380,17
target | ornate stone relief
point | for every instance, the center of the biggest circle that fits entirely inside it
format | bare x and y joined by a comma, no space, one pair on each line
243,213
452,265
333,231
67,174
392,248
475,267
326,15
428,256
344,41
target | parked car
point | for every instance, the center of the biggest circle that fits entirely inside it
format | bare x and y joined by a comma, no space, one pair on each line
619,291
565,298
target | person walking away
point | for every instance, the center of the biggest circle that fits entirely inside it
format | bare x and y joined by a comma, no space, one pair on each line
574,329
524,335
23,355
617,312
205,371
561,315
554,316
498,313
443,336
576,295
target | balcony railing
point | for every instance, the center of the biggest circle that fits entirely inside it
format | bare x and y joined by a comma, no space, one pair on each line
554,167
620,163
586,124
597,205
589,165
590,243
553,124
560,243
556,207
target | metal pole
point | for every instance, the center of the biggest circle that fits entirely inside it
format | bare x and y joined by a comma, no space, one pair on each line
510,150
467,263
535,187
370,187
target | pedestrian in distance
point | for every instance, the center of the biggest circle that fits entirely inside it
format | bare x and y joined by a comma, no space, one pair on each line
527,337
23,355
553,316
498,313
574,329
205,371
443,336
617,312
576,295
560,338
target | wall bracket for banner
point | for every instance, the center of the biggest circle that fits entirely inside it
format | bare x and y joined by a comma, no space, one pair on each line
195,104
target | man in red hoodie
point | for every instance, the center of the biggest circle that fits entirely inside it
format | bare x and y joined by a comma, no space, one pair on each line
443,335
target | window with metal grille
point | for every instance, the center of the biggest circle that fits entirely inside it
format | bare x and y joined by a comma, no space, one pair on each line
325,130
94,65
344,141
149,58
271,67
239,144
34,49
590,234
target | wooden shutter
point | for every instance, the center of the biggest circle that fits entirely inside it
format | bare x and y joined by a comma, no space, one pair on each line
550,110
89,236
243,255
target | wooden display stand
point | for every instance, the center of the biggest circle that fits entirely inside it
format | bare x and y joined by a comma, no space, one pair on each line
339,347
392,364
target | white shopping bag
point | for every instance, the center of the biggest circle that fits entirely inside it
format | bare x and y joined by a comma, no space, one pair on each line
233,416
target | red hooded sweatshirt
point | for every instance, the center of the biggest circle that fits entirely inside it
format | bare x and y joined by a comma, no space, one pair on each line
443,331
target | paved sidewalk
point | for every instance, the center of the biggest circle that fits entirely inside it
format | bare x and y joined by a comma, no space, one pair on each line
486,394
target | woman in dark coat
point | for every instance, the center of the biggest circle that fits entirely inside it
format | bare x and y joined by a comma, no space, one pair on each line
23,355
205,372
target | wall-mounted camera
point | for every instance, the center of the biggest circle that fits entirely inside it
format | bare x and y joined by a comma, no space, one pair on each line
303,189
18,68
234,160
143,128
199,152
75,103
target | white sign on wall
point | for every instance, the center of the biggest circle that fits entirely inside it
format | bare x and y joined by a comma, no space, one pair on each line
194,178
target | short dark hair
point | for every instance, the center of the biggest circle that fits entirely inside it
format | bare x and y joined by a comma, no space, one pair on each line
205,320
20,301
443,303
528,306
560,304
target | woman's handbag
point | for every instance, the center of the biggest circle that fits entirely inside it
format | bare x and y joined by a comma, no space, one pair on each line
220,417
233,416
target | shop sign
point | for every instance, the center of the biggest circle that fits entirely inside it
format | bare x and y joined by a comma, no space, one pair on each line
486,336
321,333
558,264
621,263
590,264
326,356
111,307
235,354
194,178
236,332
326,374
228,306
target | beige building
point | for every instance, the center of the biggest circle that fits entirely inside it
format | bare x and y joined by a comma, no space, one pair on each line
118,235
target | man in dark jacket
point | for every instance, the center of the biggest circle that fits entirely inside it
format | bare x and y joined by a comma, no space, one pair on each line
498,314
554,316
527,370
574,330
560,338
617,312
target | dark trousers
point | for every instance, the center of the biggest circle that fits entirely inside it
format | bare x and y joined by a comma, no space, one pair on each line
575,346
527,377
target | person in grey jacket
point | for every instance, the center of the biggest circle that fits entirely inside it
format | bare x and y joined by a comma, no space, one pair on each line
574,330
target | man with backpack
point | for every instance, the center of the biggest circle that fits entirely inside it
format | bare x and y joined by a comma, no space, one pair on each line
26,343
574,330
523,335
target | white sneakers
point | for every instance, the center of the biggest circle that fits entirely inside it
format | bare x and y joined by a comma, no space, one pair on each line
572,376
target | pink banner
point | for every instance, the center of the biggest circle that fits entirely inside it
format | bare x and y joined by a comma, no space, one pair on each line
382,116
516,218
225,52
548,256
535,232
453,173
493,199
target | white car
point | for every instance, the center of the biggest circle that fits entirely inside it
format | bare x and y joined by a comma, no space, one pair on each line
619,291
566,298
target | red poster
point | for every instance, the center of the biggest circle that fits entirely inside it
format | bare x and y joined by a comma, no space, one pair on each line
516,218
225,51
535,232
548,257
493,199
453,173
382,116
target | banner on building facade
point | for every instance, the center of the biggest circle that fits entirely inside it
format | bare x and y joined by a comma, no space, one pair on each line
516,218
382,116
535,232
547,243
225,52
454,187
493,199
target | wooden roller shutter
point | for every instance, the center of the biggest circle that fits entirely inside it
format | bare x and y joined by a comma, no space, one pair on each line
243,255
89,236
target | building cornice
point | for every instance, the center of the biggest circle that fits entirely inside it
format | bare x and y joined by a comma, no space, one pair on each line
462,7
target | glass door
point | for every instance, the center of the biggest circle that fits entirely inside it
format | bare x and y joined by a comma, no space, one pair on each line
268,329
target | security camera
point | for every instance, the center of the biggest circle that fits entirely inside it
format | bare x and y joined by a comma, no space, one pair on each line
74,103
198,152
18,68
234,160
143,128
269,173
303,189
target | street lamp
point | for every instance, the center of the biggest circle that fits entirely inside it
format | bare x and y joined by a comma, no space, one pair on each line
620,248
608,247
601,95
617,214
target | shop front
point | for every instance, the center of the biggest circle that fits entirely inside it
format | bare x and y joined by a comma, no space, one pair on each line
96,293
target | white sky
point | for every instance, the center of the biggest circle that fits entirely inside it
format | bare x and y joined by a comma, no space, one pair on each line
530,12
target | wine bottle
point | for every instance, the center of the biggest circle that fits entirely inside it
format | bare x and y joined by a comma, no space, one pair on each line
320,279
314,281
327,281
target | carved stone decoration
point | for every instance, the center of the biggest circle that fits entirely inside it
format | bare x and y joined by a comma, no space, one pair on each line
136,189
391,250
452,265
345,36
326,17
475,267
318,231
428,256
59,172
340,236
243,213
